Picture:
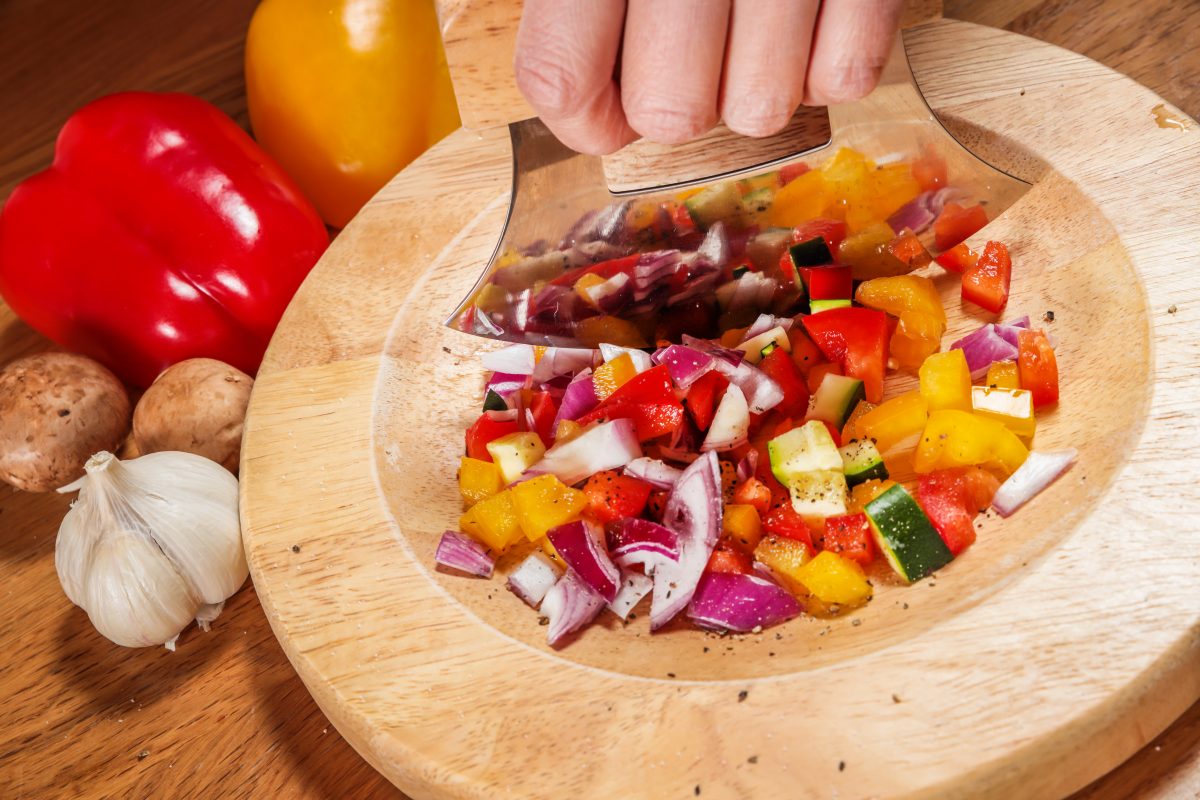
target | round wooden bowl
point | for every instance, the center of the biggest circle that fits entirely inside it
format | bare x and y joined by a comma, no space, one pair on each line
1063,641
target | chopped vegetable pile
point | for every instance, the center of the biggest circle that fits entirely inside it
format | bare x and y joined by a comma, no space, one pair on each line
743,479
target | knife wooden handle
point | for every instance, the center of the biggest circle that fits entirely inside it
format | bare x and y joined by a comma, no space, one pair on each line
480,38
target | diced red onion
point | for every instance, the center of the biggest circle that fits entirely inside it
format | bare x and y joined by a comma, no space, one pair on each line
741,603
693,511
1019,322
752,292
612,295
695,286
639,542
557,361
686,364
730,424
760,391
657,473
569,605
504,383
680,455
715,246
461,552
1039,471
578,399
516,359
747,468
730,355
508,415
634,586
533,578
581,545
640,358
764,323
653,268
916,215
983,347
609,445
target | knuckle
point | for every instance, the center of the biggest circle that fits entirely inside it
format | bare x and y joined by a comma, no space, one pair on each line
844,83
663,120
550,86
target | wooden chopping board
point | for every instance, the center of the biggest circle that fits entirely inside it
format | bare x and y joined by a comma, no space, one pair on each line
1066,639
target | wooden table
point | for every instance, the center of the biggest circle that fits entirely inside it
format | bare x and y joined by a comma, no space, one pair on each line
225,715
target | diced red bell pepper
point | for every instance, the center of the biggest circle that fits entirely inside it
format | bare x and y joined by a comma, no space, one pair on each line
849,536
648,399
1037,367
703,396
778,366
986,283
542,408
828,283
956,223
834,433
612,496
908,249
833,231
486,429
857,339
951,498
958,258
730,560
683,219
782,520
818,372
753,492
805,354
789,172
929,170
605,269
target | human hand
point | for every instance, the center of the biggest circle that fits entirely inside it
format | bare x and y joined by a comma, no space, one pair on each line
685,64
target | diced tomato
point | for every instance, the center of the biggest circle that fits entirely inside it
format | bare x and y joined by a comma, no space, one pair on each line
908,248
956,223
657,502
951,498
958,258
833,231
542,408
828,283
683,219
605,269
703,396
612,496
648,399
484,430
779,367
1037,367
818,373
782,520
986,284
753,492
849,536
805,354
929,170
789,172
857,339
730,560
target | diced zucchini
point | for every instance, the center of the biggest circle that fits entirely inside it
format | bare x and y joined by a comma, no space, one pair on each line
494,402
740,271
720,202
811,253
755,347
808,448
861,462
905,535
757,202
820,493
515,453
765,180
835,399
765,249
817,306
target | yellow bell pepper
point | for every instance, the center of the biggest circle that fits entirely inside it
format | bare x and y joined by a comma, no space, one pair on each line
612,375
916,302
892,422
595,330
477,480
865,492
946,381
834,580
867,253
545,502
962,439
802,199
785,557
345,93
514,453
741,526
1013,408
1003,375
493,521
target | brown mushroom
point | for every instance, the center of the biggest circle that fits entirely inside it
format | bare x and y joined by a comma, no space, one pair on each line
56,410
196,406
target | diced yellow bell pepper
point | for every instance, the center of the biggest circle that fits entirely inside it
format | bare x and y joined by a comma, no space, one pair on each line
549,550
962,439
742,526
1013,408
802,199
865,492
915,300
594,331
545,502
850,429
892,422
587,282
493,521
892,185
515,452
834,580
946,381
477,480
641,215
785,557
1003,375
867,254
612,375
567,430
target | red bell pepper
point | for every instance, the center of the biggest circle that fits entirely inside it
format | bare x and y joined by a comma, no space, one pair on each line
828,283
805,354
605,269
958,258
702,398
857,339
849,536
908,248
789,172
956,223
929,170
1037,367
542,408
486,429
753,492
986,283
833,231
648,399
612,496
730,560
161,232
783,520
779,367
951,498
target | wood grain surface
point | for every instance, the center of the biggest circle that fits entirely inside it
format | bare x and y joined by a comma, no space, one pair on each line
226,715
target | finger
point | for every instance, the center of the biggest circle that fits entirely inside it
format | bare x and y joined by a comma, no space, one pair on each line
671,66
566,54
852,42
765,62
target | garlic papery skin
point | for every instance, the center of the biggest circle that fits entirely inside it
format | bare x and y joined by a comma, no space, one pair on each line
151,544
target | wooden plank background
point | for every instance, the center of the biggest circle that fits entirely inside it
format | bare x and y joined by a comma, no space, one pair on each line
225,715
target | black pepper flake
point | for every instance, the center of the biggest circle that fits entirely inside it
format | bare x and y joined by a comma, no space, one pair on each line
445,349
64,412
1048,316
771,655
1172,308
742,695
670,674
906,606
856,622
697,790
896,698
706,649
143,755
295,548
841,766
752,760
543,621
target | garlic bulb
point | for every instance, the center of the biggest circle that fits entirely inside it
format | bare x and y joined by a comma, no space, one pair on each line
150,544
